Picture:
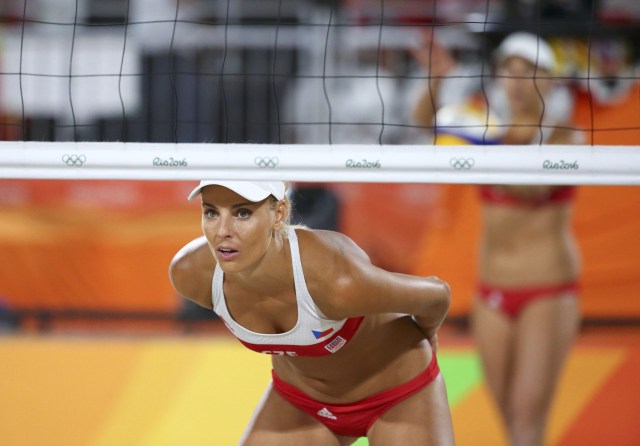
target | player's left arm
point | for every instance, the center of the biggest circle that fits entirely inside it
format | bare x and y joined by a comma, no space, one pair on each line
344,283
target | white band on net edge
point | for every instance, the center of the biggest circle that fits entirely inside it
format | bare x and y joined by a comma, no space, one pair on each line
501,164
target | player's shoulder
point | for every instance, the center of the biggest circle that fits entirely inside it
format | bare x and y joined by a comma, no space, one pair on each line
331,262
191,271
333,265
324,245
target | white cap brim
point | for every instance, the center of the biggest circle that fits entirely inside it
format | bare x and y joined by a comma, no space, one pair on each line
251,190
528,46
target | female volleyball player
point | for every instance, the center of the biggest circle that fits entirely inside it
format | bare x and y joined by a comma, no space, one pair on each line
353,346
526,314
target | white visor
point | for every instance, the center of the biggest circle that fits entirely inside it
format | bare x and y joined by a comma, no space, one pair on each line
528,46
251,190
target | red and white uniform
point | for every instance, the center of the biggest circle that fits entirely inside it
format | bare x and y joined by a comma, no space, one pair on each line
313,335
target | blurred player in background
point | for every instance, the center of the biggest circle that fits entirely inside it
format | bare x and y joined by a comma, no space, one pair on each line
526,314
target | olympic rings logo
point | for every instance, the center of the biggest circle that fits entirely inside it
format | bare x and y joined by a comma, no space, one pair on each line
74,160
266,162
462,163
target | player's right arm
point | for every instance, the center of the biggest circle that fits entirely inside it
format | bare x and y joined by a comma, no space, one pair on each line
437,62
191,272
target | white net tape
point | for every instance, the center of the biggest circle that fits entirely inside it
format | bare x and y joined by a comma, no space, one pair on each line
542,164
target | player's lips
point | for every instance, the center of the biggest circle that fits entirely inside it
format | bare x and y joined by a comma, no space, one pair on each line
227,253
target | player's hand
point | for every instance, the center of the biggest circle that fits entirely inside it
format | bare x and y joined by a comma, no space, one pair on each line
434,58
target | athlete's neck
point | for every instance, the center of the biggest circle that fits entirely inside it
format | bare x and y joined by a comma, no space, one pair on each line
267,273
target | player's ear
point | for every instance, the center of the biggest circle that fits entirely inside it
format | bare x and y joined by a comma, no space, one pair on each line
281,215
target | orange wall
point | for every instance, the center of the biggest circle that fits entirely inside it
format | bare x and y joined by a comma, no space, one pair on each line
107,245
96,245
617,123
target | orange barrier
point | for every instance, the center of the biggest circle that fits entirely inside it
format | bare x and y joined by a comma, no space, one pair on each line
92,245
107,245
613,124
90,260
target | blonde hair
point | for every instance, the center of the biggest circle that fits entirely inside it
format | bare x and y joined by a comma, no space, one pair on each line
288,207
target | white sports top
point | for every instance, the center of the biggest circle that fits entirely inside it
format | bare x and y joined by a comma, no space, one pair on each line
313,335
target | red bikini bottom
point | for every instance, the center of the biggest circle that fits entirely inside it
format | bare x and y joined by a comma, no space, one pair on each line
511,301
355,419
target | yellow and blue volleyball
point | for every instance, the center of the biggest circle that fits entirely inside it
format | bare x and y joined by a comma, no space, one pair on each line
462,124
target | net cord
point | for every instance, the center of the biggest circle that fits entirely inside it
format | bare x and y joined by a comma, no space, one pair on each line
504,164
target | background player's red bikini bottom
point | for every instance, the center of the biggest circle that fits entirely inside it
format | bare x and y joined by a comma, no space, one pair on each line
355,419
511,301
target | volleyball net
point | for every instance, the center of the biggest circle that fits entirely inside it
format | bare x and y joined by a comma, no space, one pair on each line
299,90
323,163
